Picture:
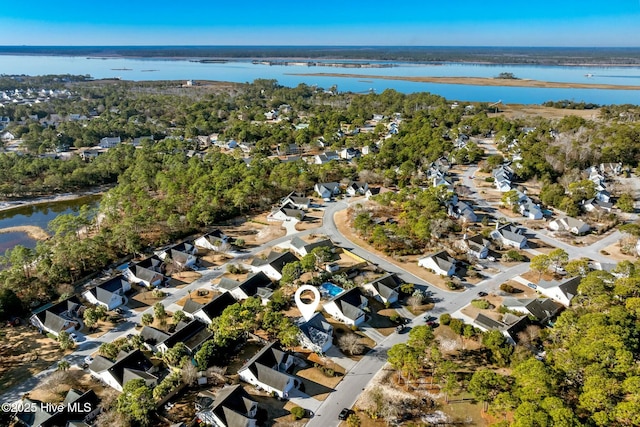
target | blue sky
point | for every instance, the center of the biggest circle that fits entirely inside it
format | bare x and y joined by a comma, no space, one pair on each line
327,22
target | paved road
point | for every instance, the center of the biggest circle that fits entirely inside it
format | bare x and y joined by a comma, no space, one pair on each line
359,376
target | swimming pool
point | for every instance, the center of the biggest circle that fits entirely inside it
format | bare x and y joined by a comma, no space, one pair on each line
330,290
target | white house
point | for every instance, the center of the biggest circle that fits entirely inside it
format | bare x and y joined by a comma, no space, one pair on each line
230,407
461,210
572,225
148,272
477,246
287,212
561,291
543,309
316,334
269,370
326,190
213,240
384,289
55,318
357,188
272,265
131,366
183,254
530,210
255,285
594,204
109,142
110,294
297,200
347,307
509,235
440,263
302,248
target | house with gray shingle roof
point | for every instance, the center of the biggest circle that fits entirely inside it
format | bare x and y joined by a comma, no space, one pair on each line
303,248
230,407
148,272
214,308
269,370
316,334
572,225
477,246
77,409
272,265
58,317
258,284
297,200
347,307
152,337
440,263
213,240
562,291
326,190
384,289
509,235
110,294
192,334
133,365
543,309
510,325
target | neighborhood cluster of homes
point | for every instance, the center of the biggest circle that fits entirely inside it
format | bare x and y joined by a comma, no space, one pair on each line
270,369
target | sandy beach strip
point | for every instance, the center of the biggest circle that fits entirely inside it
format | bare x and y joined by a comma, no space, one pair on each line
478,81
33,231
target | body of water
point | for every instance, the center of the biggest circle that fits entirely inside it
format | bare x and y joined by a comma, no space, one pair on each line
242,71
37,215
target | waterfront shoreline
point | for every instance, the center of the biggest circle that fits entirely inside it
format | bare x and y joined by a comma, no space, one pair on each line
7,205
478,81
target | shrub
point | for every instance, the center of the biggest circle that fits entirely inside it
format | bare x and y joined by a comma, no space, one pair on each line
457,326
353,421
513,255
481,304
395,318
489,179
507,288
298,413
445,319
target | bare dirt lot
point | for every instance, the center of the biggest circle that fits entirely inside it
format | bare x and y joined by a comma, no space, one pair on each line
254,230
25,352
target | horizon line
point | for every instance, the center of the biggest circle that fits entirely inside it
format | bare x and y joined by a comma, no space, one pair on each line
321,45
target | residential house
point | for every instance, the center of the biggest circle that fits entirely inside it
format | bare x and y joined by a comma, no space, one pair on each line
110,294
569,224
269,371
594,204
347,307
510,326
230,407
137,142
55,318
152,337
440,263
7,136
129,366
384,289
477,246
441,180
258,284
461,210
509,235
192,334
109,142
183,254
502,176
286,212
302,248
213,240
374,191
543,309
297,200
603,196
327,190
211,310
88,155
357,188
561,291
272,265
77,409
316,334
349,153
530,210
271,115
148,272
326,157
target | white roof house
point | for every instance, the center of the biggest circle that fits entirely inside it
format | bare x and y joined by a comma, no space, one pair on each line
572,225
440,263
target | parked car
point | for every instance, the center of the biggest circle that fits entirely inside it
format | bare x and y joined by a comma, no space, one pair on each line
482,294
88,360
532,286
400,329
344,414
73,336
